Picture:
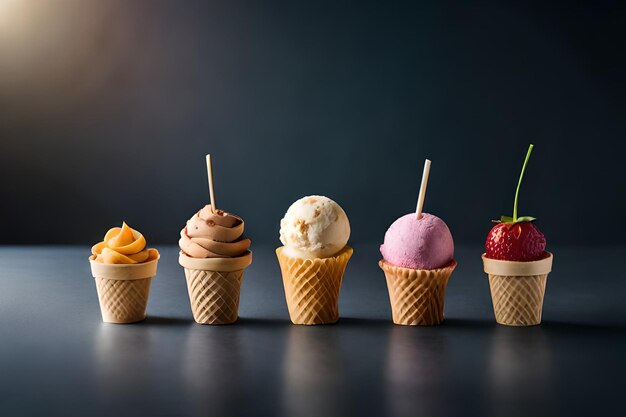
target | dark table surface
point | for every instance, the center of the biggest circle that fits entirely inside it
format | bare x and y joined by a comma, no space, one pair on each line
58,358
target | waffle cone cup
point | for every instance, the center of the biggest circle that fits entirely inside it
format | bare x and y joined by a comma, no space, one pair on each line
417,295
123,290
214,285
517,289
312,286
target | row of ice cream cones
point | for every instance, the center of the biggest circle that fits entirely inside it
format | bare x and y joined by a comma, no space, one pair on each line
312,289
418,260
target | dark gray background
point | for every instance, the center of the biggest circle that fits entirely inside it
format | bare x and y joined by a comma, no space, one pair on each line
107,110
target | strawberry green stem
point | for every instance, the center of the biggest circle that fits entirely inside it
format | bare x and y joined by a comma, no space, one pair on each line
519,183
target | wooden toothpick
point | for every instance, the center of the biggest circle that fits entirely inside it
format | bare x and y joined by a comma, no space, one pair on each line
209,170
422,195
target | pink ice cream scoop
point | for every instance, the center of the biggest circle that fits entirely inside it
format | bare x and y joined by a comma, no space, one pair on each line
414,243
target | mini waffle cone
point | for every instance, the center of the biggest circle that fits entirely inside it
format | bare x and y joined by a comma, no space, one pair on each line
123,301
123,290
417,295
518,289
214,295
312,286
214,286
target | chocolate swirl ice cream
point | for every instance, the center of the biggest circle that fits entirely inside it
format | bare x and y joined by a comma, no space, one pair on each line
216,234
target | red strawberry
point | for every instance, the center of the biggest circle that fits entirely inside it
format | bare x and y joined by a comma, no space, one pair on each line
516,238
520,242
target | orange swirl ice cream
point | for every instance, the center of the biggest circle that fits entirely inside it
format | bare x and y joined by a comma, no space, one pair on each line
213,235
123,245
123,269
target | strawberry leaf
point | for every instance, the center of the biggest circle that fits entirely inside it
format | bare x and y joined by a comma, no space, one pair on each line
507,219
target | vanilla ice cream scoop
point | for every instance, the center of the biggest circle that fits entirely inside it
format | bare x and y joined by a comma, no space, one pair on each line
314,227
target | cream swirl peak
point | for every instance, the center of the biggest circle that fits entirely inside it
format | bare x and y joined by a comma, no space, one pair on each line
213,235
123,245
